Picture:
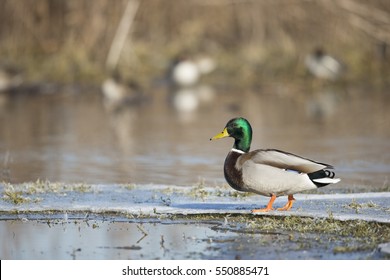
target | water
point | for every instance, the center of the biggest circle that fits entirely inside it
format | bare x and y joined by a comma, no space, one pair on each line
95,240
72,137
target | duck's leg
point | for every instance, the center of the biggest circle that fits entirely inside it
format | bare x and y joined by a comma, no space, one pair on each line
289,203
269,206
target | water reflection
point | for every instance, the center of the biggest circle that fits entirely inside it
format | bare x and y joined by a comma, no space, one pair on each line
323,104
73,137
123,240
100,240
189,102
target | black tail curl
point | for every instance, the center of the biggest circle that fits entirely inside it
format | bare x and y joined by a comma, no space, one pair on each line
319,175
329,174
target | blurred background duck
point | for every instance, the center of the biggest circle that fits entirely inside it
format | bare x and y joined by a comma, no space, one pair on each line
323,66
187,72
10,78
119,93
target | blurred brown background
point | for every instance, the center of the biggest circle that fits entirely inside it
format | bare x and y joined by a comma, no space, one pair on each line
69,41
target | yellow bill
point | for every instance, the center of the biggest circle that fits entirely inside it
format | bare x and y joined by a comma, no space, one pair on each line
223,134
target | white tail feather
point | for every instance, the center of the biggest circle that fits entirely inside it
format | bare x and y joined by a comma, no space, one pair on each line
327,180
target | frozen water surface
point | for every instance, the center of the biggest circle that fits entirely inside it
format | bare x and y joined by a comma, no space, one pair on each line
154,200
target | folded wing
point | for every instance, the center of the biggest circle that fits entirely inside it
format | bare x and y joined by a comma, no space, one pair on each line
287,161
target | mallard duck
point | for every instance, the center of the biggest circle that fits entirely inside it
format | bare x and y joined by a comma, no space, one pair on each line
269,172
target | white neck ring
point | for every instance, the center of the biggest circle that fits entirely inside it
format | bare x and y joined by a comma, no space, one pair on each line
237,151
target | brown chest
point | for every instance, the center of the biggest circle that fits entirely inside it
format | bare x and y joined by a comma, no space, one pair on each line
233,175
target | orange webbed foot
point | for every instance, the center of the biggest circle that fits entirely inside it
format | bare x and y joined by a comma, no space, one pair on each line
289,203
266,209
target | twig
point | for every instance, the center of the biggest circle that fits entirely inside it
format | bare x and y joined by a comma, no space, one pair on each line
142,230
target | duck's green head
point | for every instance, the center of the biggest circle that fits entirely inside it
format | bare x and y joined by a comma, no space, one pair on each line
240,130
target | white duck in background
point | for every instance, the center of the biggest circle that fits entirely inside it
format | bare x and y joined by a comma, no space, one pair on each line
187,91
323,66
186,72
